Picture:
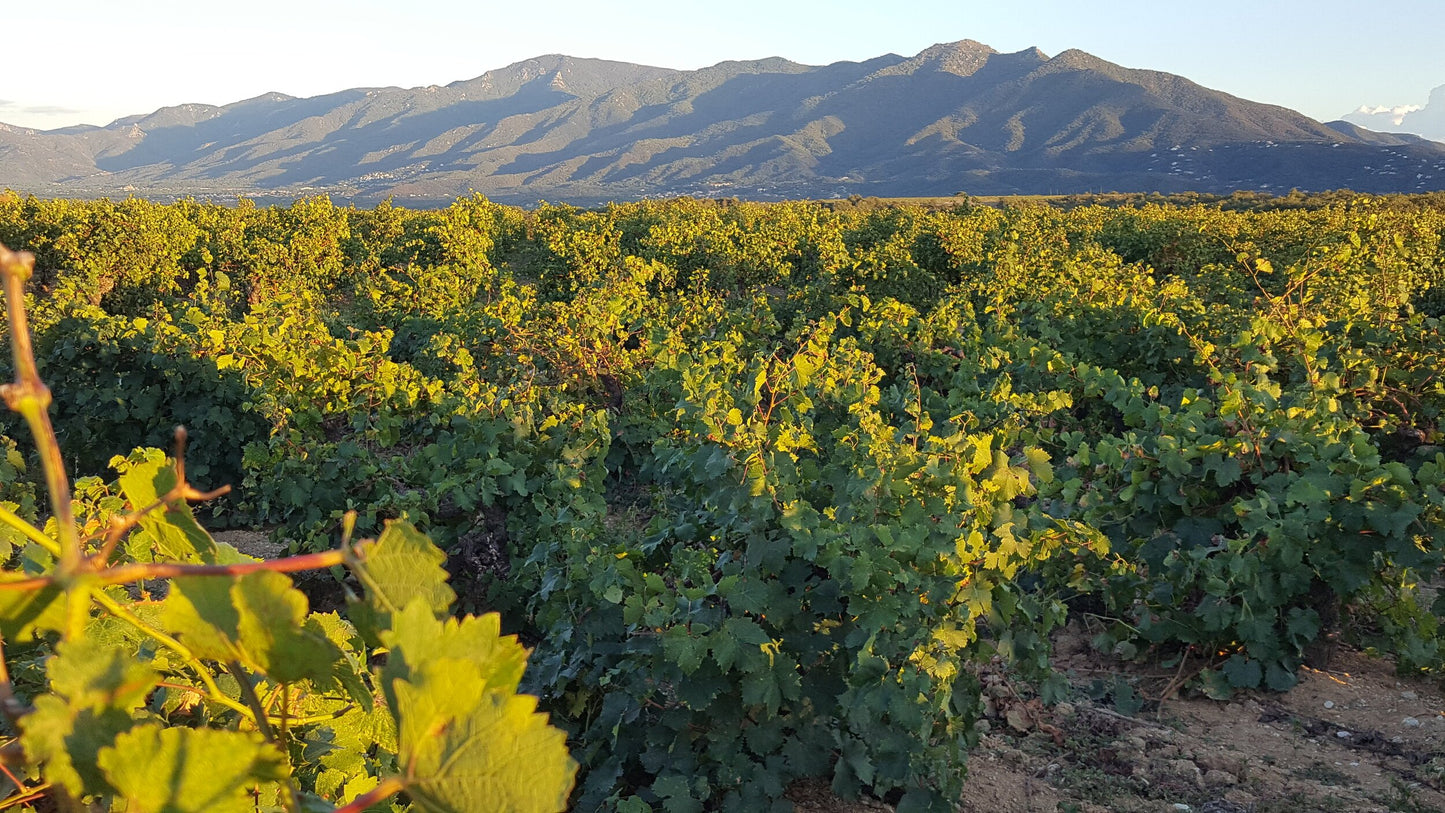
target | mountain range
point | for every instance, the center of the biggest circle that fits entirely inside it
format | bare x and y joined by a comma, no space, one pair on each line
957,117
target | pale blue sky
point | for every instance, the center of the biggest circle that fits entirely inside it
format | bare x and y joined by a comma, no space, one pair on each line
92,61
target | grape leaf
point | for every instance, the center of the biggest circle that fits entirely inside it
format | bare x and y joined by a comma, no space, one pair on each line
179,770
173,529
1038,463
66,740
400,566
725,649
417,638
435,694
1280,679
357,786
199,610
746,631
92,675
496,754
273,630
348,668
258,618
10,538
96,691
344,742
25,612
683,649
1243,672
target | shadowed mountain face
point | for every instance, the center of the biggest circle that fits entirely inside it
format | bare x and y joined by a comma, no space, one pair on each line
956,117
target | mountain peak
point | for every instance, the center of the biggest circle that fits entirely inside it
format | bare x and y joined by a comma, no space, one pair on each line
960,48
1080,60
576,76
962,58
180,115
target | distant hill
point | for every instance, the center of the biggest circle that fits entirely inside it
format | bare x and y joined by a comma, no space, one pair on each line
956,117
1427,121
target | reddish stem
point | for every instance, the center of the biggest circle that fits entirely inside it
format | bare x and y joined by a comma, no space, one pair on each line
389,786
141,572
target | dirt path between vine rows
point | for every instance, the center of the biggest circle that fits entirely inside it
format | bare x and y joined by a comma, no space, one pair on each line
1351,739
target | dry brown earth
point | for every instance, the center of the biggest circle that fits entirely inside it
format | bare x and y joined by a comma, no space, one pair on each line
1356,738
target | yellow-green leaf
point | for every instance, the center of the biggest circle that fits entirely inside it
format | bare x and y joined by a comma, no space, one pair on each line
186,770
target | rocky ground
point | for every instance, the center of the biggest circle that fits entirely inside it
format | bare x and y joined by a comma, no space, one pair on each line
1353,738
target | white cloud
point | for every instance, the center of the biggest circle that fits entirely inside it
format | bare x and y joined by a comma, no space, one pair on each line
1396,114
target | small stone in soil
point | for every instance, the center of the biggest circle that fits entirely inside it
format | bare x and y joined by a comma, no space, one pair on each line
1408,696
1329,704
1411,722
1344,735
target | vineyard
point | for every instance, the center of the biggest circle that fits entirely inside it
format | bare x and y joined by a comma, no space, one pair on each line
758,493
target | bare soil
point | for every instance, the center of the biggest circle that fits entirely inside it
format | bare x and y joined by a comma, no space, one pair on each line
1355,738
252,543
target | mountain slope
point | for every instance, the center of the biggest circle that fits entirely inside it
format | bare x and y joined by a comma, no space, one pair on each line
957,116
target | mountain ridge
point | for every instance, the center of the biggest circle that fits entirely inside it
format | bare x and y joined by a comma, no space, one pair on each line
957,116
